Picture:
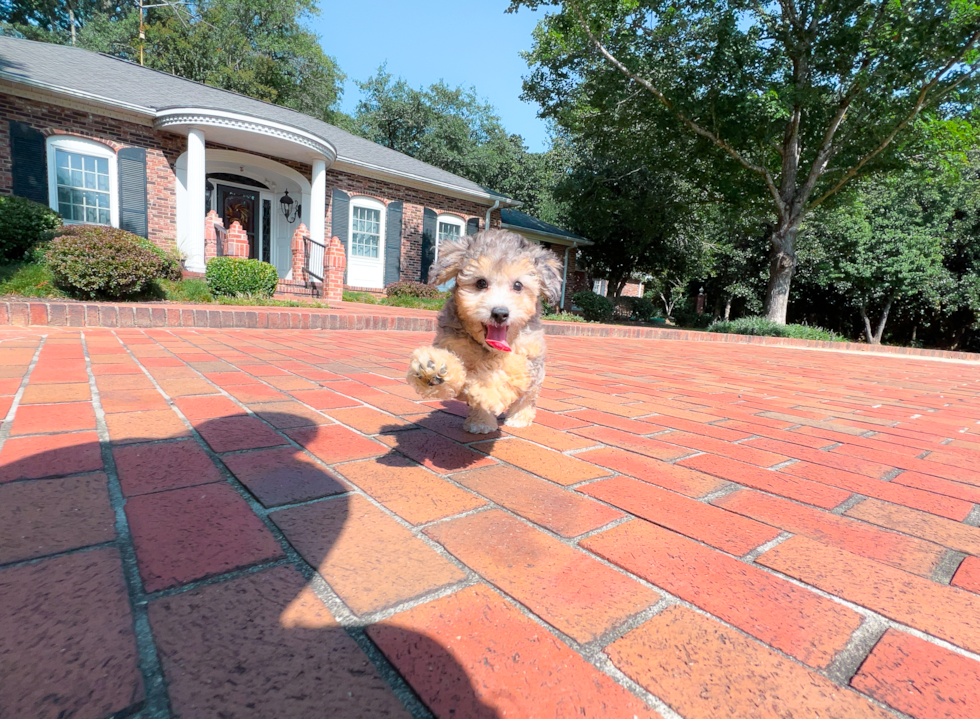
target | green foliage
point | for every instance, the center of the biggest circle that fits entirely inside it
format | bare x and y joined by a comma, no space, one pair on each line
189,290
768,328
453,129
28,279
563,317
233,276
24,224
260,48
413,289
98,262
170,260
363,297
751,102
595,308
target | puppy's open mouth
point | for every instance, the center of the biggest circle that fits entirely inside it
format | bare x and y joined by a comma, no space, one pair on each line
497,337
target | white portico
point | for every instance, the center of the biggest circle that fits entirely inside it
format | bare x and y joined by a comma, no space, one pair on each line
244,184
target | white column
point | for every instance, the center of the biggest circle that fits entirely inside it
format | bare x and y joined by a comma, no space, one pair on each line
318,201
195,201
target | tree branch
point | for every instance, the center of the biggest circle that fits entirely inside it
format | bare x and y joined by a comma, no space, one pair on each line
921,101
691,124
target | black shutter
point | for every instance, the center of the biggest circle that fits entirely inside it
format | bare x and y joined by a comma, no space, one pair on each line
472,225
340,220
132,190
393,243
30,167
429,229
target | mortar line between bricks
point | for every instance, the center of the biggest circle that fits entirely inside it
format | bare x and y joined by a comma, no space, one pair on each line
109,544
8,421
157,701
385,669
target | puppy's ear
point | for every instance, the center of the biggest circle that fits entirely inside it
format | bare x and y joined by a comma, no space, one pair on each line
548,267
448,264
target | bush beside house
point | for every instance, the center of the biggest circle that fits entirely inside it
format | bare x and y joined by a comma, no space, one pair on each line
23,225
99,262
235,276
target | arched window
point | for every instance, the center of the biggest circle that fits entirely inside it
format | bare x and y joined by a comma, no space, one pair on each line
82,181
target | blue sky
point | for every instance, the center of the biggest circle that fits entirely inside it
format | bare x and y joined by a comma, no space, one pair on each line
463,42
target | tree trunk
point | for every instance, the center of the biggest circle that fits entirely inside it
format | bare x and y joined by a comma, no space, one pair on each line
728,306
782,263
874,338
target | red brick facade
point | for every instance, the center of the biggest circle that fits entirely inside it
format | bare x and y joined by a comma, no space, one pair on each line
163,149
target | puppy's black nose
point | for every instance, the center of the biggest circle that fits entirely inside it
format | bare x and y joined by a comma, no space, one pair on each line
500,314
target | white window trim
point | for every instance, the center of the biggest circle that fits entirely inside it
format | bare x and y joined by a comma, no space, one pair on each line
82,147
449,220
371,204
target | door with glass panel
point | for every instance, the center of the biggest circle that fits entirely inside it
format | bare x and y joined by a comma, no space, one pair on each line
83,187
365,255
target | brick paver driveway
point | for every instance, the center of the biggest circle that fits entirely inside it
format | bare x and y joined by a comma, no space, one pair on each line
268,524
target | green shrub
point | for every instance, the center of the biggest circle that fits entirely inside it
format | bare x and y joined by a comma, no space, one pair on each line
170,260
638,309
562,317
413,289
595,308
363,297
768,328
189,290
23,224
237,276
99,262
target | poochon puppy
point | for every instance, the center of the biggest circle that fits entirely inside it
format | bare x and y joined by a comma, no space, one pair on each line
489,349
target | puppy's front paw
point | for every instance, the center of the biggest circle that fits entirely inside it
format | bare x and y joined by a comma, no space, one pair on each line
521,418
435,373
480,422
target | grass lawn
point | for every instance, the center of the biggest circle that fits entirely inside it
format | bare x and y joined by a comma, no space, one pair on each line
415,303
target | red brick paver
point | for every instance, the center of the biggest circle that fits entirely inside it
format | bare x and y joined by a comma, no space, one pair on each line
271,523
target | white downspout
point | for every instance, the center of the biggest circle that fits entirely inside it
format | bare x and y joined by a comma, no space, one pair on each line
564,279
496,206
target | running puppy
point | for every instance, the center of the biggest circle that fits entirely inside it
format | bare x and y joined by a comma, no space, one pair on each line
489,348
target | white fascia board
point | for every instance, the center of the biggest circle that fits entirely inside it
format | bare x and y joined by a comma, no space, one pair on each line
547,236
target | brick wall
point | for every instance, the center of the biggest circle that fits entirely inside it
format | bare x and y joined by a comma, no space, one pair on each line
163,149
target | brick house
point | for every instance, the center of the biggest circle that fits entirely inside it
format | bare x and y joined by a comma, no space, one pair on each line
102,140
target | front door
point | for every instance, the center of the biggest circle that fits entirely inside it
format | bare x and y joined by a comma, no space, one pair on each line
237,204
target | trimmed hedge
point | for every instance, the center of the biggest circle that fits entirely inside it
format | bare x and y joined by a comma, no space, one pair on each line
767,328
595,308
99,262
237,276
638,309
24,224
413,289
170,264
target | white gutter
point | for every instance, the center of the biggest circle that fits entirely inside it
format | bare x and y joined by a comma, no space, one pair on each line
496,206
564,279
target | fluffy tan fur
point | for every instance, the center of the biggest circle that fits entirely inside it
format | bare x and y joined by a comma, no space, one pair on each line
493,270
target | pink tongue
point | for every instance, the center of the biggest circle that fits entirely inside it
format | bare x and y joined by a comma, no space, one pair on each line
497,338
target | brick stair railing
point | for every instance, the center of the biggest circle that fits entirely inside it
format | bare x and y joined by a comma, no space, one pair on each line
355,316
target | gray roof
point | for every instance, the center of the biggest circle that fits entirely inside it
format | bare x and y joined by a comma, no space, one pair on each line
523,221
101,77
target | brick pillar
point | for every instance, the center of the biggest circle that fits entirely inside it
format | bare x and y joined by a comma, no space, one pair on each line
334,263
211,235
236,240
299,253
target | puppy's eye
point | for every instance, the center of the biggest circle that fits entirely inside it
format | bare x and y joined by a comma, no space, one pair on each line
518,287
481,284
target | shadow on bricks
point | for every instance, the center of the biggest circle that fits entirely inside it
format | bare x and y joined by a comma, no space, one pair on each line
162,576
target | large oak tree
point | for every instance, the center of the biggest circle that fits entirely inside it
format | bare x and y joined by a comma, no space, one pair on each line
790,99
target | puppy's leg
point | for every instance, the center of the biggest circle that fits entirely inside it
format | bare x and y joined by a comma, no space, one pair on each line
436,373
521,413
480,421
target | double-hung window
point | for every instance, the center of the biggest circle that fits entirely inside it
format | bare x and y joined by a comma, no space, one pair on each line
450,228
82,181
365,232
